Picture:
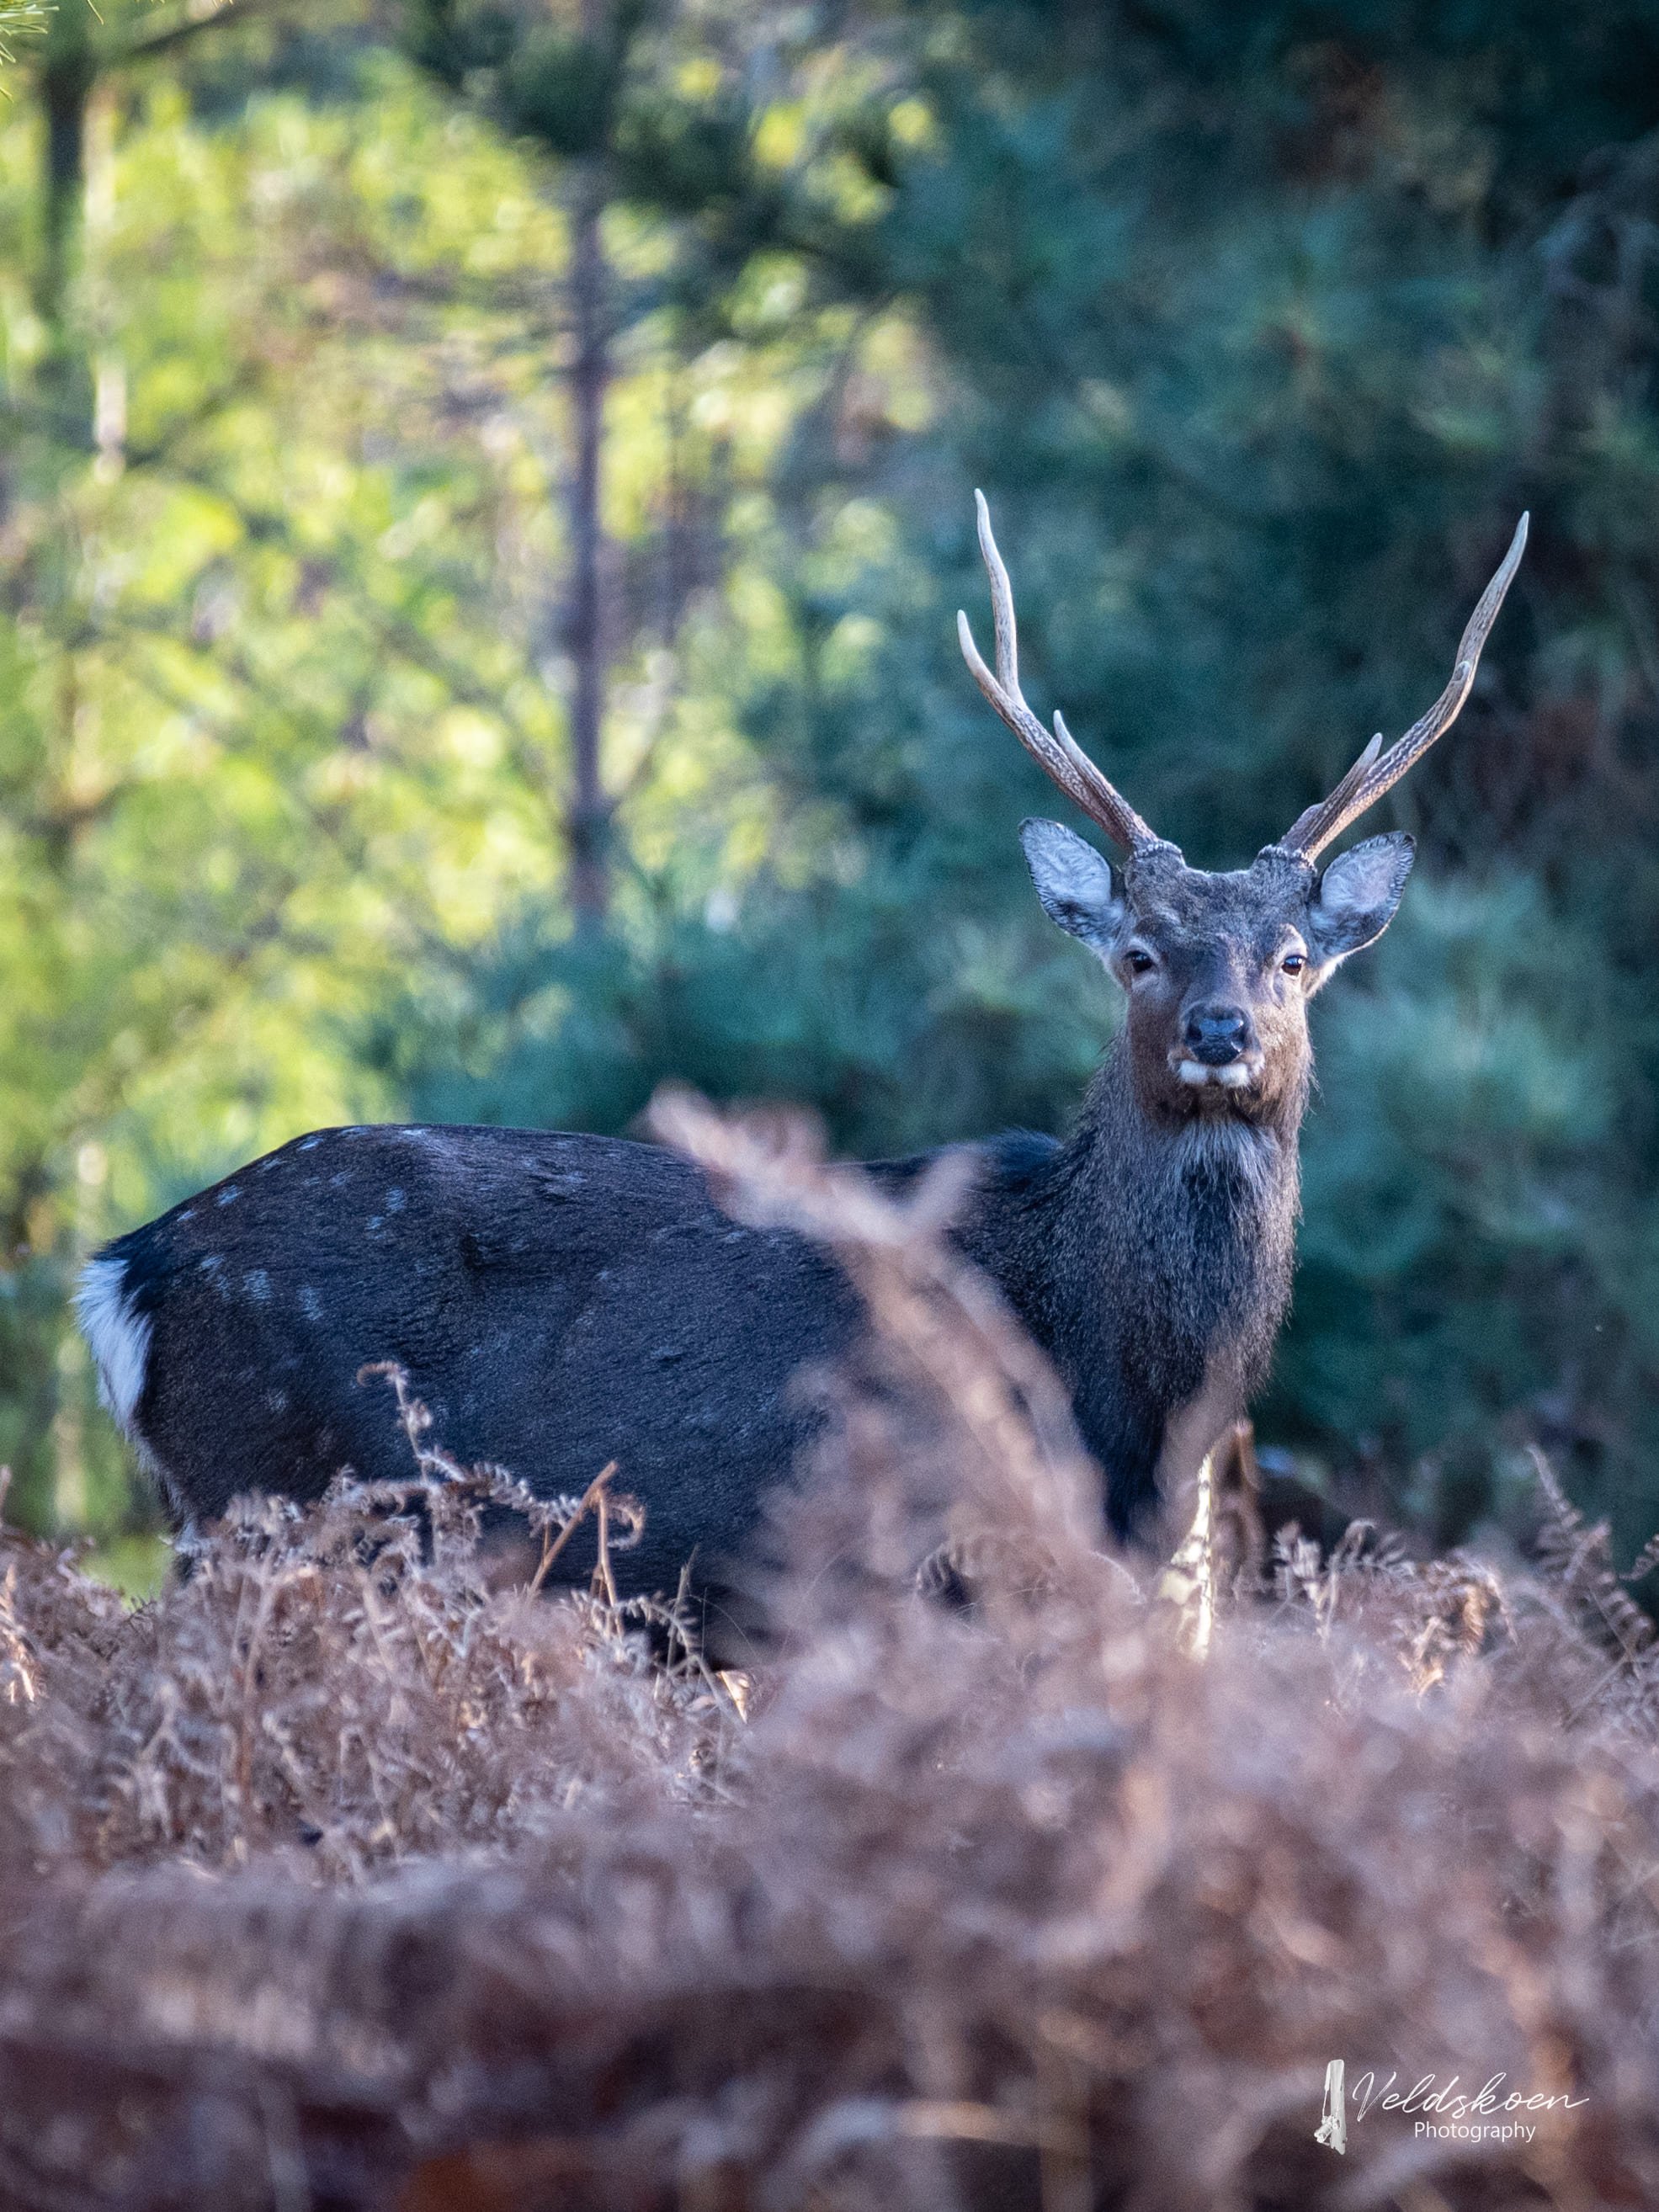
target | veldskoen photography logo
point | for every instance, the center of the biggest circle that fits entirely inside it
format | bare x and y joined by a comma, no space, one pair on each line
1444,2110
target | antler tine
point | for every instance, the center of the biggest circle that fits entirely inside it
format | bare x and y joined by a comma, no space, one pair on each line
1369,777
1058,752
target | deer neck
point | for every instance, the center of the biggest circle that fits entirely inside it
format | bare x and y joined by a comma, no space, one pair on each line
1185,1228
1155,1266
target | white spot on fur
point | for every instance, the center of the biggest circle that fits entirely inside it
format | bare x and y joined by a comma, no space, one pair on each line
310,1304
256,1283
228,1196
309,1143
119,1338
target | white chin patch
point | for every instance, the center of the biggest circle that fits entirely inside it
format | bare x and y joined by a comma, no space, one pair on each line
1237,1075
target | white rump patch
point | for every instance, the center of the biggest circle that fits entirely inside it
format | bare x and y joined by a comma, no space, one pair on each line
120,1337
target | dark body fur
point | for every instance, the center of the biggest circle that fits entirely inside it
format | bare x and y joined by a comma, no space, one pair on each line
561,1301
533,1285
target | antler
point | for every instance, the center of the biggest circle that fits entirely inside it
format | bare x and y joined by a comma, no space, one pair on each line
1057,752
1369,777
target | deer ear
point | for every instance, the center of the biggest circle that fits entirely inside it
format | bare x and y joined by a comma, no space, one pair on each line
1355,900
1080,891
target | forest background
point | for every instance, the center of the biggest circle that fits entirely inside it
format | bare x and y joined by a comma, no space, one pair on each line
484,490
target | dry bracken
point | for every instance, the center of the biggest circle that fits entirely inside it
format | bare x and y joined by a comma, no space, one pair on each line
348,1874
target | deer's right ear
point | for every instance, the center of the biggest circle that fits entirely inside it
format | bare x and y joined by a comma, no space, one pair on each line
1079,890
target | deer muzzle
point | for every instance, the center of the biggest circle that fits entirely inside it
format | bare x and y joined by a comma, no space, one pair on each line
1218,1046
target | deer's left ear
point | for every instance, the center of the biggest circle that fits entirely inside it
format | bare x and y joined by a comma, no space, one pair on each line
1355,900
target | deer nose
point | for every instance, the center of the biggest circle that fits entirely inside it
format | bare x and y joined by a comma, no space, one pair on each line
1217,1035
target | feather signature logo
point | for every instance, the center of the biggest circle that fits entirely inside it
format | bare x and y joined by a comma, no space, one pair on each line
1446,2113
1332,2128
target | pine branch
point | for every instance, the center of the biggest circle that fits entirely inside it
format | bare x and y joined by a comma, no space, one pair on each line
20,19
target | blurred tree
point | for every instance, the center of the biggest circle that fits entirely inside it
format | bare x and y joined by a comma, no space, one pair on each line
647,109
561,84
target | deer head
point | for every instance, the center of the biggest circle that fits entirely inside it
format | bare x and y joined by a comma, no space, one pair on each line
1217,968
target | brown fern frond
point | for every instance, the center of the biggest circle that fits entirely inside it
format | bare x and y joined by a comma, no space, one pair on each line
1579,1560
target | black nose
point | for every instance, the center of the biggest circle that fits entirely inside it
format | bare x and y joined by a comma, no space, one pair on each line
1216,1035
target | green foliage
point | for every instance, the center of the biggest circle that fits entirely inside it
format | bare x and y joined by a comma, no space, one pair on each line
1258,325
559,90
1471,1272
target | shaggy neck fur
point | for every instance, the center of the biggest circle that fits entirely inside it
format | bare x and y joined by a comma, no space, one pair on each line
1151,1257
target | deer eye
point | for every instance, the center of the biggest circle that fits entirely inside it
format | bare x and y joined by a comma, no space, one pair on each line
1294,963
1138,961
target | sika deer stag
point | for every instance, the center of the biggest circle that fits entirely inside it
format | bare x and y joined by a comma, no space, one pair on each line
561,1301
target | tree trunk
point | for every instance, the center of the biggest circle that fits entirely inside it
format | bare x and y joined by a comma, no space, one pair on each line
69,70
589,816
